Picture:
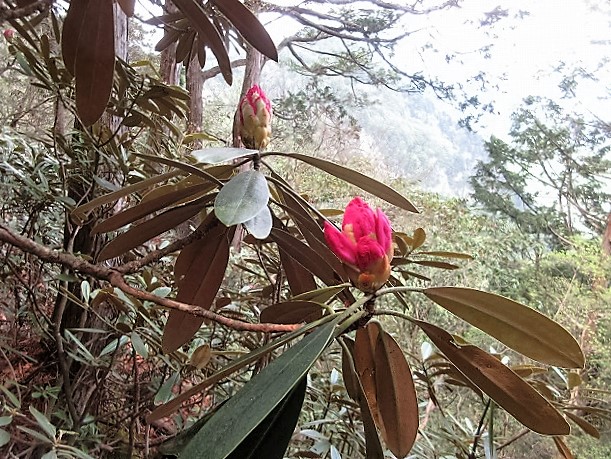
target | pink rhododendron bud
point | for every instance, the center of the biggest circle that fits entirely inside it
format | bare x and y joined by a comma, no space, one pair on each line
254,117
8,34
364,245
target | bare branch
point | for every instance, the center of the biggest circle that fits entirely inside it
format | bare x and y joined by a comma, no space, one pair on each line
116,279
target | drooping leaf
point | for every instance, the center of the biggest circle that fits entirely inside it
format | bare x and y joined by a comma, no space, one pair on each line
261,224
519,327
207,33
271,437
349,375
435,264
220,155
208,260
228,428
142,232
291,312
583,424
373,445
396,396
241,198
44,423
95,61
501,384
249,26
355,178
365,364
305,256
71,31
128,7
300,280
563,449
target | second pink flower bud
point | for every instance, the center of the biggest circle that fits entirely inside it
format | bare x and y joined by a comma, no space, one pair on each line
254,119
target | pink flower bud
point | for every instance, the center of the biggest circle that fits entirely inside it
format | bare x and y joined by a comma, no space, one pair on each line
364,245
254,117
8,34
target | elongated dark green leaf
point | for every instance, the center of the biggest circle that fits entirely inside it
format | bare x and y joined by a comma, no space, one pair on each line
141,233
210,174
321,295
252,404
396,396
249,27
519,327
356,178
80,213
220,155
502,385
204,273
292,312
272,436
243,197
207,33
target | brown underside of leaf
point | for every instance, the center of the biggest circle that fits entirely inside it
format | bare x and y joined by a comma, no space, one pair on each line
365,364
207,33
563,449
203,277
249,26
501,384
291,312
141,233
128,7
516,325
95,61
71,31
396,396
300,279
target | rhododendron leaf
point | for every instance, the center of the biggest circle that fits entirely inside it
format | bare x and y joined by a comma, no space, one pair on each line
292,312
219,155
246,410
418,238
261,224
563,449
204,273
515,325
447,254
300,279
502,385
171,197
243,197
583,424
127,6
142,232
249,26
321,295
80,213
365,364
396,396
207,33
356,178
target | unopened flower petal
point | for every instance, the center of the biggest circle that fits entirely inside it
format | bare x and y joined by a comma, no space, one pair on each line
254,119
342,246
